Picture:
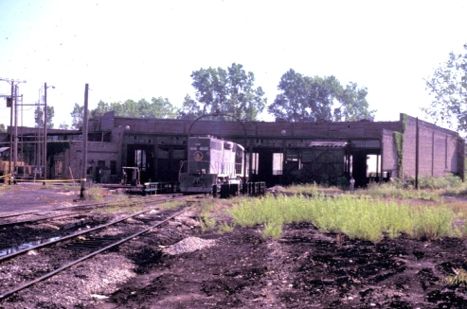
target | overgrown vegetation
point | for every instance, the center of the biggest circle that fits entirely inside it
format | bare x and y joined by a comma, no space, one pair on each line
399,141
172,204
437,183
95,193
309,189
357,217
397,191
121,204
430,189
459,278
208,221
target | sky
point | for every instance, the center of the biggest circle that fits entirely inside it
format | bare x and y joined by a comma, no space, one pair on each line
144,49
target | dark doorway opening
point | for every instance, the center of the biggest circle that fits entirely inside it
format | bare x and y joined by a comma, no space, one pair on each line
142,157
169,161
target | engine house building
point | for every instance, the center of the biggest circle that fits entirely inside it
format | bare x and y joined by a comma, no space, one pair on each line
277,152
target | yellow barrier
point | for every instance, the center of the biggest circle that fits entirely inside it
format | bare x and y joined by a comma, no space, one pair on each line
57,180
5,176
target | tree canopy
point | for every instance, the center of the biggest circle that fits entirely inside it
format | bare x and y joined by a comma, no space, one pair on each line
231,91
156,108
77,116
448,87
304,98
39,116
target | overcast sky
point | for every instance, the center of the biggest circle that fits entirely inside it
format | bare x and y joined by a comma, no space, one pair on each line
143,49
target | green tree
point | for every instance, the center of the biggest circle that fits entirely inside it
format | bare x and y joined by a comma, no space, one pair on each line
304,98
39,116
448,87
64,126
77,116
156,108
230,91
190,109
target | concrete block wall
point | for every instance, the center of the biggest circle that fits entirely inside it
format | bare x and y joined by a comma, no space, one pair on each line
389,155
325,130
97,151
438,150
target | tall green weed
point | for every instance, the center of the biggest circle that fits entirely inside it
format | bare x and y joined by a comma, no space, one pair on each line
357,217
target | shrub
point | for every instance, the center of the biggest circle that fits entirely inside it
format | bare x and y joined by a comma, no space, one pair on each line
435,183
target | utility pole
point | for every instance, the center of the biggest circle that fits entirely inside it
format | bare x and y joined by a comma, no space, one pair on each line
45,131
15,154
11,126
85,143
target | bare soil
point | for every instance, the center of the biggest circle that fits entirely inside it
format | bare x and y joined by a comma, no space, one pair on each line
303,269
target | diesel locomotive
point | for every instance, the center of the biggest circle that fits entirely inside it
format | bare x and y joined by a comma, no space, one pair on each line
212,164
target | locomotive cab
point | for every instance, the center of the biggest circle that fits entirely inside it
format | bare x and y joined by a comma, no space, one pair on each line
211,162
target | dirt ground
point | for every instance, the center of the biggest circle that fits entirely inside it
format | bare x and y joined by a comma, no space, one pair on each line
303,269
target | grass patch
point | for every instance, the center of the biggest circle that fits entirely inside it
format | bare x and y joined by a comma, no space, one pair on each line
312,189
119,205
225,228
272,229
357,217
95,193
172,204
437,183
396,191
459,278
208,221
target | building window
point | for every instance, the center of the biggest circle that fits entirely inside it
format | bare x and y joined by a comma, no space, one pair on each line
277,163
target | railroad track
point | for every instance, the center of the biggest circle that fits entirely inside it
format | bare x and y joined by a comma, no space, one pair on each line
83,207
87,247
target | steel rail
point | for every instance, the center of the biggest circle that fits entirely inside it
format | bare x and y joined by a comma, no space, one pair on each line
17,214
37,219
9,256
66,266
131,203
